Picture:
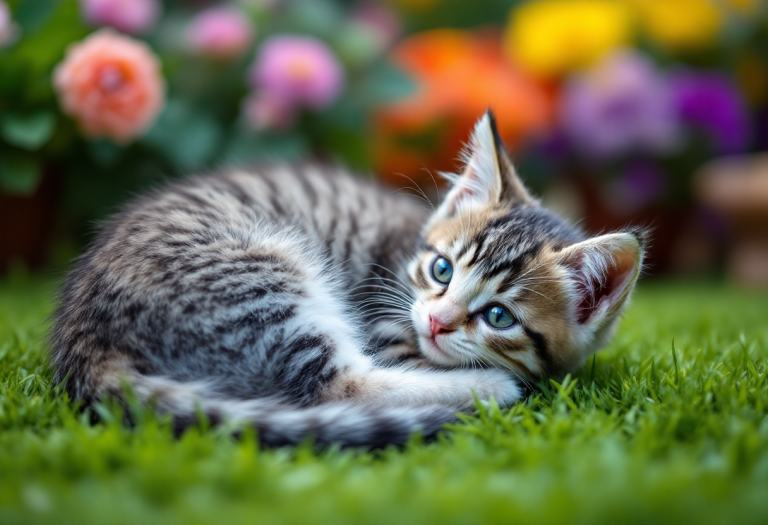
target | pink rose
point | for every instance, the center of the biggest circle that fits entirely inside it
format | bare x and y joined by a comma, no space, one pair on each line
299,69
220,32
128,16
111,85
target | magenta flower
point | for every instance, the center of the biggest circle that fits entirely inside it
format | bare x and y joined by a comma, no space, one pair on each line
222,33
622,106
128,16
711,103
265,110
301,70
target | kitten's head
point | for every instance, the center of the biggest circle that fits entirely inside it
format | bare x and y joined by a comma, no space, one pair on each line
502,281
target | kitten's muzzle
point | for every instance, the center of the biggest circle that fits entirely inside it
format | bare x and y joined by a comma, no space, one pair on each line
439,328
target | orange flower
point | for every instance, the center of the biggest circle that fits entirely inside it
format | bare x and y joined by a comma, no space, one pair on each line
459,75
111,85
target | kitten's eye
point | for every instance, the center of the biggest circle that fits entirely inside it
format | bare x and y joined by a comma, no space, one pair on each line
499,317
442,270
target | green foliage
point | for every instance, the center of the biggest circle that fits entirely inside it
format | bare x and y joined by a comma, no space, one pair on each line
19,174
27,131
648,431
202,125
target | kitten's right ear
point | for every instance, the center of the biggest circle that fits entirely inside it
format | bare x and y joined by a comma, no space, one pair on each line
489,178
604,271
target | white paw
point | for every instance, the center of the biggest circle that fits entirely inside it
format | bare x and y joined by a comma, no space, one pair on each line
502,386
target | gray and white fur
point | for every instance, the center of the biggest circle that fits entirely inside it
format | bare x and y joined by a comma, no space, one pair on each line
230,294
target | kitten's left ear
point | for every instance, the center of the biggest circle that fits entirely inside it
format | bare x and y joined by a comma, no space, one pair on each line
489,178
604,271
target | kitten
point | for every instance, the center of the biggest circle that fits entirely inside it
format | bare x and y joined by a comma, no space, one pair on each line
499,280
262,297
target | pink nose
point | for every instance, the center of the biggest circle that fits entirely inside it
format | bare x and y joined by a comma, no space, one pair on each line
438,328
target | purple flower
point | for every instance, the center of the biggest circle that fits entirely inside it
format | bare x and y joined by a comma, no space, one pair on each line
128,16
223,33
300,70
711,102
622,106
639,185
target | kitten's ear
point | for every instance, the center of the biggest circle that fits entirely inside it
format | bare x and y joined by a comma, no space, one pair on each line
604,270
489,178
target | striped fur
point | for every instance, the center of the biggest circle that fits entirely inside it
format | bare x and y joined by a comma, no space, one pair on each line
255,296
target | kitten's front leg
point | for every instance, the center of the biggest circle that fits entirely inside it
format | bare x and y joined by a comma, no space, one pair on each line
397,386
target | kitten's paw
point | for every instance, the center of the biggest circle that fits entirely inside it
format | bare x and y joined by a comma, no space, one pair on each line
499,384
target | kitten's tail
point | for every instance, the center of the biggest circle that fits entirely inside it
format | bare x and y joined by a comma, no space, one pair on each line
280,423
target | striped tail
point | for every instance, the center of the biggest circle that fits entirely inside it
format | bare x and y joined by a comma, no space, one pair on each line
281,423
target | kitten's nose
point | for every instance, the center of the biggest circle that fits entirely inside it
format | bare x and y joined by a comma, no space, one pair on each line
439,328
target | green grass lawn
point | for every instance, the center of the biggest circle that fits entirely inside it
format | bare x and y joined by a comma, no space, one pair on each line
642,434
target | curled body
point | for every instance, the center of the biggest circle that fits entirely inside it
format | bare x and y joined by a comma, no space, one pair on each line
264,296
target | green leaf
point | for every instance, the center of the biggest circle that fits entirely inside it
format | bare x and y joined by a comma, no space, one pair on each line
28,131
31,16
105,152
19,175
188,136
264,147
387,83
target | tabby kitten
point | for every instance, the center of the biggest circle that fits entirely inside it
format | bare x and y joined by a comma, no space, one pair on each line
262,297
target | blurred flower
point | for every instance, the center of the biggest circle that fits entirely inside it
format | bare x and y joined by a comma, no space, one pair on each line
223,33
302,70
380,22
265,110
624,105
128,16
111,85
552,37
458,76
371,30
679,24
639,185
8,29
712,103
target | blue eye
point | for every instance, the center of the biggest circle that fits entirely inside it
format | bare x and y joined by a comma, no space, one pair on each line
442,270
499,317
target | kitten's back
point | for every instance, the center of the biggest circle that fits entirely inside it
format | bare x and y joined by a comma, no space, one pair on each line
229,289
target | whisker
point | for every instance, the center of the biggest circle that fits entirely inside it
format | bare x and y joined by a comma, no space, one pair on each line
418,188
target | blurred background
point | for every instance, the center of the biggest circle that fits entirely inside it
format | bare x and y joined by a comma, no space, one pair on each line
615,111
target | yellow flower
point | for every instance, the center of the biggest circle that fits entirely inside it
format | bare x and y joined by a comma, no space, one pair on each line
680,25
553,37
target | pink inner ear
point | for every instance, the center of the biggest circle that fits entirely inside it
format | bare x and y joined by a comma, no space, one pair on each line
611,287
465,191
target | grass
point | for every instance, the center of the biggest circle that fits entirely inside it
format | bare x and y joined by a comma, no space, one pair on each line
670,424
